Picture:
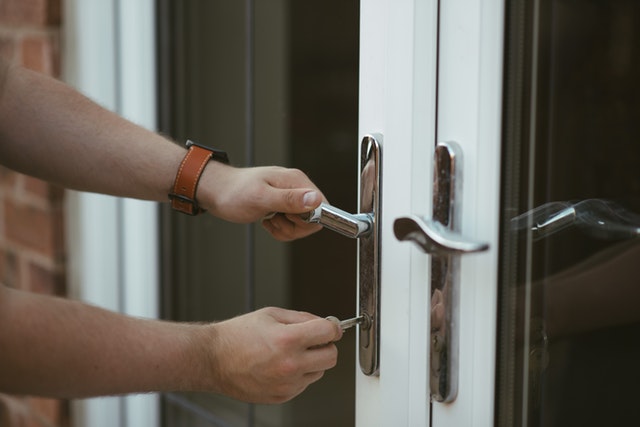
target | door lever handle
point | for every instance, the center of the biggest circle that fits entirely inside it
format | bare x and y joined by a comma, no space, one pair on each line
433,237
439,236
345,223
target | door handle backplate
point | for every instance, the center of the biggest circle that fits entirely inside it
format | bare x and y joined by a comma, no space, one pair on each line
364,226
369,255
440,237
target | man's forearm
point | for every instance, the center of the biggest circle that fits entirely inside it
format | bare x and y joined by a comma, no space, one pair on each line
55,347
59,348
49,130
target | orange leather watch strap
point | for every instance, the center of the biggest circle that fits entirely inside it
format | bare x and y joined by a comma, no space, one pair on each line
183,196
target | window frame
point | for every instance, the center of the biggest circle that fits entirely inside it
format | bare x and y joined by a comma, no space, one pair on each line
109,55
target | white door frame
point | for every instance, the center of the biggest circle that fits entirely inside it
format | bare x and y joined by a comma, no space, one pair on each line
398,47
109,55
399,66
470,113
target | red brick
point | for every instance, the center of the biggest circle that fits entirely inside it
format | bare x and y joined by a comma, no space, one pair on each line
31,211
30,12
35,187
13,412
39,53
8,178
52,411
45,281
9,271
32,228
16,412
8,48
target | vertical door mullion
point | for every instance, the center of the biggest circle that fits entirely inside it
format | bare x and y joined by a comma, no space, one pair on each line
397,100
469,113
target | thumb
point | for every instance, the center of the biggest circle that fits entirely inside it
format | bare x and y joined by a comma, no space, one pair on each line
295,201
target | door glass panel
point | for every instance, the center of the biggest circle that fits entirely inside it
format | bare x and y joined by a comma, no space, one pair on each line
569,322
271,83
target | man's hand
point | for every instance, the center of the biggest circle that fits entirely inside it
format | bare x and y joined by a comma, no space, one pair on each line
70,349
270,355
274,194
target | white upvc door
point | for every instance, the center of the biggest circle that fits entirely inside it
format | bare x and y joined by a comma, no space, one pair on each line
398,68
470,113
431,71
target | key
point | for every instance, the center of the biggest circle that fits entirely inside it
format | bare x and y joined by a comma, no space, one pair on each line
348,323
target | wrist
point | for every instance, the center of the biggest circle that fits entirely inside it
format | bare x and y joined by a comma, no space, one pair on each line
203,342
188,176
213,183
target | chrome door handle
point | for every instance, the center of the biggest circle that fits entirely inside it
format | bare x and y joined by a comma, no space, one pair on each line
439,237
433,237
350,225
364,226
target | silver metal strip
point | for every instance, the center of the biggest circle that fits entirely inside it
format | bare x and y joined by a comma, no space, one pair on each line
369,256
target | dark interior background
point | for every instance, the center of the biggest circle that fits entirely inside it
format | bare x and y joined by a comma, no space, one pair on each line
572,134
273,82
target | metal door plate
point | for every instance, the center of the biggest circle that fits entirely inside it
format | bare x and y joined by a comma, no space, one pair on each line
369,256
445,276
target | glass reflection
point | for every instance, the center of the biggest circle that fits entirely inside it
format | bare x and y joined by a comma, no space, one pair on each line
569,316
602,219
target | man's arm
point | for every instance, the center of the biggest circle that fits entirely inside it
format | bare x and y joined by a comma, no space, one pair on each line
50,131
61,348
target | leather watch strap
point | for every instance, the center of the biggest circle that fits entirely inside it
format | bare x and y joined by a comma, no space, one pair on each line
183,197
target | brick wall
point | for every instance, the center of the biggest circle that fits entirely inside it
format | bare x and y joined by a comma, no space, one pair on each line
31,211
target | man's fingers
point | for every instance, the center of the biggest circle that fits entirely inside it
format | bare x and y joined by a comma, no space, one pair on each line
320,359
313,331
292,191
290,316
312,377
317,332
294,200
286,228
